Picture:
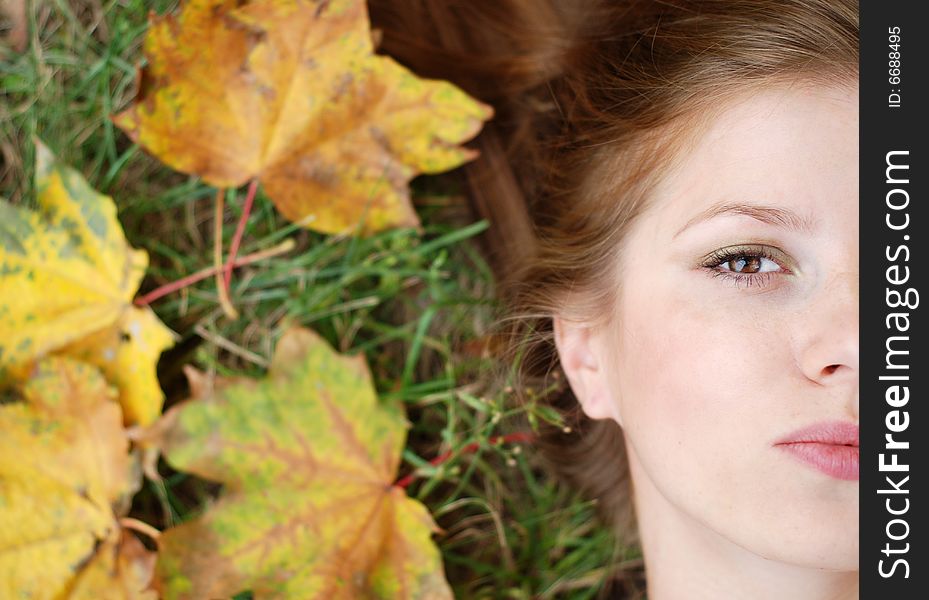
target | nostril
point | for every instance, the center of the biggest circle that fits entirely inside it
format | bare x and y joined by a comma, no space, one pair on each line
830,369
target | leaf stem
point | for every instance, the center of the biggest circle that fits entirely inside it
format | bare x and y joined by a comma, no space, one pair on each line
224,300
285,246
140,526
239,231
519,436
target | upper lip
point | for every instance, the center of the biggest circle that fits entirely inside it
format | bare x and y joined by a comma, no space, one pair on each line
838,433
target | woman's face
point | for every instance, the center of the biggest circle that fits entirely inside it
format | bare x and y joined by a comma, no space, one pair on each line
736,328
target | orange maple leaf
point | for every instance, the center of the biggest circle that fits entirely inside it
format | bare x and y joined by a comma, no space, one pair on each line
291,92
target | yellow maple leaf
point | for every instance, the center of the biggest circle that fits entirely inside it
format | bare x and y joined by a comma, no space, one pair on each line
291,92
308,456
64,465
67,279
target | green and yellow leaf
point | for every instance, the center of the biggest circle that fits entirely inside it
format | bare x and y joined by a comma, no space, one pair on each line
308,456
291,92
67,279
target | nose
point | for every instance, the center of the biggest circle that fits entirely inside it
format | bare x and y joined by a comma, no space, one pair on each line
829,352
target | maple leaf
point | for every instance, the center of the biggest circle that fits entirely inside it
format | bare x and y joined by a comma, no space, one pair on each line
291,92
64,465
67,278
308,456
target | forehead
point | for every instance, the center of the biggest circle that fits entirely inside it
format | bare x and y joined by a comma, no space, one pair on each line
794,146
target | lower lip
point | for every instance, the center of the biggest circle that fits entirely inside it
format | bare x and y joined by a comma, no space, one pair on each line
836,461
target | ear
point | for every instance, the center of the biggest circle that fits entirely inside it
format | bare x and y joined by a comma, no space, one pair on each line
585,364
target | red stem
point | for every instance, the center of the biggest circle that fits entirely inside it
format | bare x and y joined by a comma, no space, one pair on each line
239,231
204,273
519,436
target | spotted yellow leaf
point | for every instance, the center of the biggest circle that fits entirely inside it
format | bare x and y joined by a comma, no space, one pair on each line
308,456
291,92
64,470
67,279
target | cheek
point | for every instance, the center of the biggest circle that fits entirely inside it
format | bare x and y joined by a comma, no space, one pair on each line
706,381
700,368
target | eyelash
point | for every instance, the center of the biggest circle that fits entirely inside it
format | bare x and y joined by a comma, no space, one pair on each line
723,255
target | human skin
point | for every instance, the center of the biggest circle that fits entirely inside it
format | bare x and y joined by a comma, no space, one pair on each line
707,366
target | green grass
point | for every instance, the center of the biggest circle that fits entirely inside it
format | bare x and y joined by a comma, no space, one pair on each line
410,302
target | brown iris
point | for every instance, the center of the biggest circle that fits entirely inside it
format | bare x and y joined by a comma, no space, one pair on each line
745,264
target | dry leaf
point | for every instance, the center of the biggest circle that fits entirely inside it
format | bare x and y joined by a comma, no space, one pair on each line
291,92
67,279
64,465
308,456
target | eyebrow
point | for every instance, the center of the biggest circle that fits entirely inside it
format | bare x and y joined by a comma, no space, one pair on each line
779,217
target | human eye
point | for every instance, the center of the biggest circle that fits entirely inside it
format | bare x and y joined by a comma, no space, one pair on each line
747,265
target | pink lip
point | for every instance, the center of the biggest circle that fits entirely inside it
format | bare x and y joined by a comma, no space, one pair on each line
830,447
